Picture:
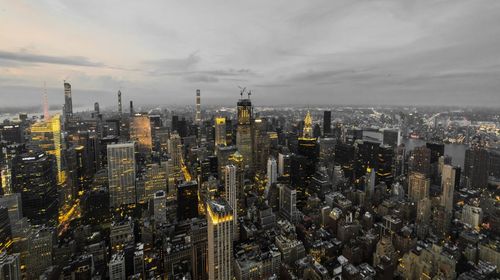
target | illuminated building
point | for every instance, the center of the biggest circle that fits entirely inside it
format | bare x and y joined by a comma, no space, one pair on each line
187,200
47,136
40,245
10,266
476,167
68,102
159,207
175,151
231,193
272,171
140,131
303,165
420,160
472,215
155,179
121,174
220,240
418,186
385,157
238,161
244,139
261,143
198,107
33,175
220,131
427,263
223,155
5,229
117,267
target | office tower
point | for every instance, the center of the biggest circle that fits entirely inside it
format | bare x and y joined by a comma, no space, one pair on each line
392,137
327,122
119,102
345,155
117,267
308,149
12,132
160,207
437,151
238,161
96,108
140,131
220,131
199,239
418,186
476,167
155,179
33,175
223,155
261,144
220,240
287,202
272,171
187,200
231,193
13,203
198,107
10,267
68,102
244,139
283,164
131,108
121,174
47,136
420,160
175,151
448,184
370,184
40,244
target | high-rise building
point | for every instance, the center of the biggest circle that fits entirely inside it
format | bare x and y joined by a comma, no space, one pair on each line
420,160
155,179
238,161
10,267
476,167
47,136
140,131
121,174
272,171
119,102
117,267
187,200
220,240
68,102
244,137
34,177
220,131
13,203
231,183
131,110
448,184
327,122
5,229
418,186
198,107
175,151
287,202
160,207
283,164
392,137
472,215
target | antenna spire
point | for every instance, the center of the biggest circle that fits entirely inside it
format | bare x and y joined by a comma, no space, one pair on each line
46,115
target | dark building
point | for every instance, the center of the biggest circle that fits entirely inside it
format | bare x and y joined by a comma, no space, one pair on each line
476,167
187,200
421,160
34,176
5,230
12,133
345,155
68,102
95,206
327,122
494,163
391,137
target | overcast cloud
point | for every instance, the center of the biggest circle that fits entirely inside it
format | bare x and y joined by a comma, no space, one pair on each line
288,52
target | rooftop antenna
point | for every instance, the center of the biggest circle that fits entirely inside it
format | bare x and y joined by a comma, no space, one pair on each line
46,115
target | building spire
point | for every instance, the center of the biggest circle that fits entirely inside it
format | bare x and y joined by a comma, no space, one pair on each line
308,131
46,115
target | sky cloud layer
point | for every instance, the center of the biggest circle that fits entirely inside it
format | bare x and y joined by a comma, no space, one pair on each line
440,52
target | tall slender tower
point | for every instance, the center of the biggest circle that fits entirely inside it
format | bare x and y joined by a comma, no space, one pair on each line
68,102
448,181
244,139
132,108
198,107
119,102
46,114
220,240
231,192
272,171
220,131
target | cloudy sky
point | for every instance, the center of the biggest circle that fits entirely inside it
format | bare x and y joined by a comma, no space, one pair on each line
287,52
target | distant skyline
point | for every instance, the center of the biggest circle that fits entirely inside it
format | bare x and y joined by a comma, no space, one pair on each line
413,52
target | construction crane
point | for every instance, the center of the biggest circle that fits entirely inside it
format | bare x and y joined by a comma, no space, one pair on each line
244,90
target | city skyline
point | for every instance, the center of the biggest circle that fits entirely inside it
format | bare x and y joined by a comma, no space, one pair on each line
361,53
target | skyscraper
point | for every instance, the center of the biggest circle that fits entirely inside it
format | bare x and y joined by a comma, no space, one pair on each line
476,167
231,193
220,240
121,174
287,202
272,171
140,131
220,131
448,182
47,136
418,186
187,200
34,176
119,102
244,130
198,107
327,122
159,207
68,102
